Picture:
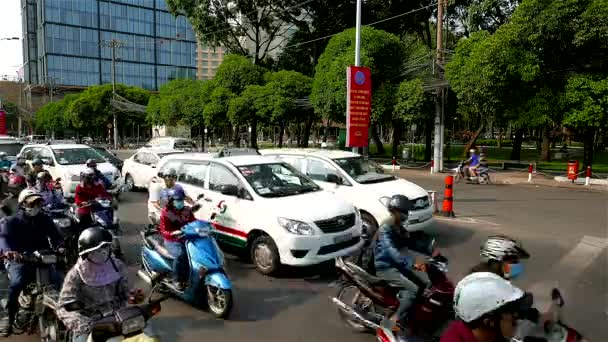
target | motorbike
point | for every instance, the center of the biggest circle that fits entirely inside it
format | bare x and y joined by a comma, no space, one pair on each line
38,301
482,174
69,230
103,214
208,282
116,189
16,183
373,299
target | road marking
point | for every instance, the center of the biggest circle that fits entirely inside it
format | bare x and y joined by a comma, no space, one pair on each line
470,220
566,272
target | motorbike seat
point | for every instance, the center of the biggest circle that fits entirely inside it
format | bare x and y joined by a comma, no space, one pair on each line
372,279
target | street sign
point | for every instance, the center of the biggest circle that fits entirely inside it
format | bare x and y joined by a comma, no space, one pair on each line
358,105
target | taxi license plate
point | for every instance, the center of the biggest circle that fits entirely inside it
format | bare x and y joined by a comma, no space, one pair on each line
343,238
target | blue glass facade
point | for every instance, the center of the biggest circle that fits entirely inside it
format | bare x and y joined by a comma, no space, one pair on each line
156,46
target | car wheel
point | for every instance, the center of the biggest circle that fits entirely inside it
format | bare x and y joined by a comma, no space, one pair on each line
129,183
265,255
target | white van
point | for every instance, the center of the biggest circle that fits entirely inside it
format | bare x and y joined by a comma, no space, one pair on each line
271,210
361,182
67,161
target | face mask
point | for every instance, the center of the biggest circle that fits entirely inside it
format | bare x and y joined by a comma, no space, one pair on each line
32,211
99,256
178,204
513,271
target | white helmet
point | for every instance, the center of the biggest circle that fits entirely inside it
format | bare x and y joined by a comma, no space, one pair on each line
481,293
502,248
28,195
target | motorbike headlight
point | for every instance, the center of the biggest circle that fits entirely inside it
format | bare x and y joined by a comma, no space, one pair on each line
133,324
203,231
62,222
295,227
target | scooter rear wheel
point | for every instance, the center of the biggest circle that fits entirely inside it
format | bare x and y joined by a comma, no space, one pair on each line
356,301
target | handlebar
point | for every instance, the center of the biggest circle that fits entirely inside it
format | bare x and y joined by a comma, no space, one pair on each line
38,257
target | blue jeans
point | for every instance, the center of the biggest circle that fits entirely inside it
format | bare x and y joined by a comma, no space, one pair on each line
180,260
408,288
20,276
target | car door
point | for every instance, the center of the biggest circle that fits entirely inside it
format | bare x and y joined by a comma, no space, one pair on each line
319,171
192,176
142,169
151,167
235,214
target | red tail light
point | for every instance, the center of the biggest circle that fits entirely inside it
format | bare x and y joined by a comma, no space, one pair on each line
155,309
381,336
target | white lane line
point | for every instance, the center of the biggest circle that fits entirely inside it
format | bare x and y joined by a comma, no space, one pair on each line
565,274
465,219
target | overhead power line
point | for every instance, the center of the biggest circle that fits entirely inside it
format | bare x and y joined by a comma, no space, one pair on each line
374,23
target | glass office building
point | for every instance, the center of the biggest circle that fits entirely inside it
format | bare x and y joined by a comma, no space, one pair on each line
64,42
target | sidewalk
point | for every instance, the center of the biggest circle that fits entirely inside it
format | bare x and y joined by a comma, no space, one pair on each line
509,177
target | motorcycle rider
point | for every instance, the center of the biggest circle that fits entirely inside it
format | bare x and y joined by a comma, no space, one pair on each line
173,217
97,283
472,163
159,190
20,167
99,177
37,167
501,254
86,193
487,307
393,266
4,163
53,199
29,230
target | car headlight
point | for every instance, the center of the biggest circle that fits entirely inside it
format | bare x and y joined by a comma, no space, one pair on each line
133,324
62,222
295,227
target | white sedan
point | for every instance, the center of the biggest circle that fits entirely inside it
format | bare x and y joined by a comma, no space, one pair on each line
140,168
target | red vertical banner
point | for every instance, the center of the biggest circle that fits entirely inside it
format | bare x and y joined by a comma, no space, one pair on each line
358,105
2,122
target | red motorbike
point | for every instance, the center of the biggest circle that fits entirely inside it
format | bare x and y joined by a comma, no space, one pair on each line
373,300
16,183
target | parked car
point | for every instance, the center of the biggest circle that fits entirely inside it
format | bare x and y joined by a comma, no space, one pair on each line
268,209
109,156
140,168
11,146
67,161
361,182
172,143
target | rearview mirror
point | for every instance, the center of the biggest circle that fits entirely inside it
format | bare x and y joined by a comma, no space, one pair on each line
332,178
229,190
153,166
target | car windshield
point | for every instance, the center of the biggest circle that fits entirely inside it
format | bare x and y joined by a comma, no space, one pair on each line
363,171
277,180
74,156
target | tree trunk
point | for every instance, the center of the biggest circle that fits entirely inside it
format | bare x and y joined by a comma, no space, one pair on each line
545,150
588,149
376,137
499,141
253,136
236,137
396,138
201,132
307,130
471,142
517,141
281,133
428,138
326,133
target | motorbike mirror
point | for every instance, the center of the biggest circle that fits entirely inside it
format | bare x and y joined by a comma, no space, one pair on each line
199,197
385,200
73,306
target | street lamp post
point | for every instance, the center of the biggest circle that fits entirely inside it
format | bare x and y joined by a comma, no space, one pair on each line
358,45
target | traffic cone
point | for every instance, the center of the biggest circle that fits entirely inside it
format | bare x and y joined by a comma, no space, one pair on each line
448,197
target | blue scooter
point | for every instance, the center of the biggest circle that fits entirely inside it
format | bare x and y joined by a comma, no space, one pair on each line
208,282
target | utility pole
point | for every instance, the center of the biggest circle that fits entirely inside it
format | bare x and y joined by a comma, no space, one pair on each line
357,45
438,143
114,44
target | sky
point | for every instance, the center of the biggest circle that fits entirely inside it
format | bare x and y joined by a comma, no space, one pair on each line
10,26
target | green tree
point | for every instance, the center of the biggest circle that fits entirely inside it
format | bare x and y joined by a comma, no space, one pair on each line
382,52
586,109
248,27
52,116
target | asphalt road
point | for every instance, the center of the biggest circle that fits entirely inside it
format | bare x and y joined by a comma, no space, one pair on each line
564,229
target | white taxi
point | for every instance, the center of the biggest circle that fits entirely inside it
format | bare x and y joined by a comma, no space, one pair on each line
267,207
361,182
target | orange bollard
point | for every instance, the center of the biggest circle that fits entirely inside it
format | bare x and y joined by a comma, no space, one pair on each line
448,197
588,176
394,163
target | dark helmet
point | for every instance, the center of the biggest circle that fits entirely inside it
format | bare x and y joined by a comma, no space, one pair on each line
20,161
92,239
171,173
91,163
44,176
400,203
31,179
37,162
176,194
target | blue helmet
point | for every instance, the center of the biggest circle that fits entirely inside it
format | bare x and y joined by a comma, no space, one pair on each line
176,194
